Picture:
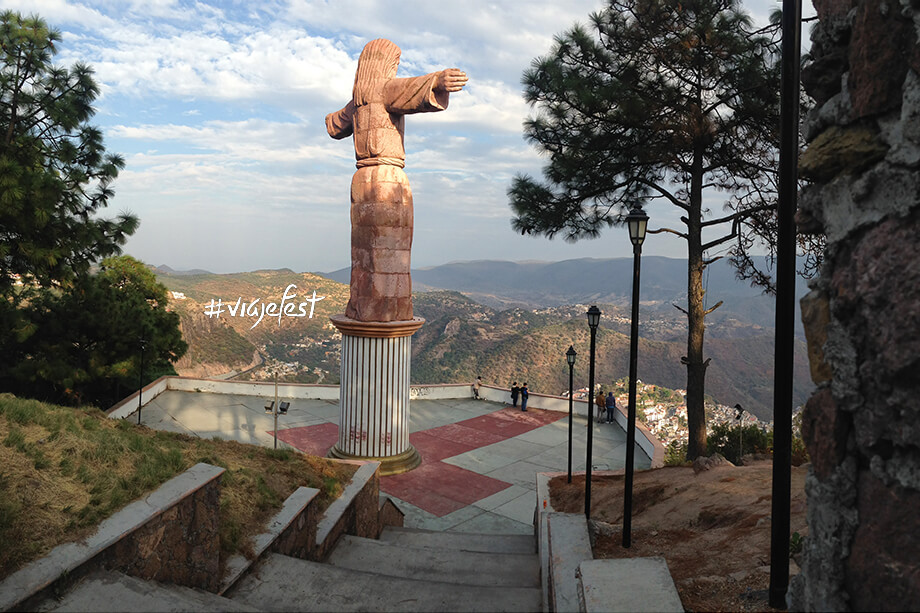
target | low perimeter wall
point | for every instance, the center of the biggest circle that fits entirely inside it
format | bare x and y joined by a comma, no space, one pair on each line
645,439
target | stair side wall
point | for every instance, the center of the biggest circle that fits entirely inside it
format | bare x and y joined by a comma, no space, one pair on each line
180,545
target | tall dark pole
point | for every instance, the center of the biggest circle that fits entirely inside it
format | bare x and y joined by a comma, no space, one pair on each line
140,384
570,358
785,302
631,411
275,408
594,315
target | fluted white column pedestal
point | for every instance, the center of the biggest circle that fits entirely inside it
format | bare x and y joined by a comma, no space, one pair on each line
374,393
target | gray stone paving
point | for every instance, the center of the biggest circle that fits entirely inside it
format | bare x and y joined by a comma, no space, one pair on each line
515,460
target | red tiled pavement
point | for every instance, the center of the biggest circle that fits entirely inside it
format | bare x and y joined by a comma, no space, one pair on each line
315,440
510,422
435,448
471,438
436,487
441,488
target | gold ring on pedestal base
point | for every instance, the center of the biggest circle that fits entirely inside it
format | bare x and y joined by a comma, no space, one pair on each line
389,465
376,329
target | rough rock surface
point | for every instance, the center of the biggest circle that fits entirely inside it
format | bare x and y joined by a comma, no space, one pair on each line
862,425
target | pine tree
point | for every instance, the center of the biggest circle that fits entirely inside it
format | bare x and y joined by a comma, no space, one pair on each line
55,175
657,100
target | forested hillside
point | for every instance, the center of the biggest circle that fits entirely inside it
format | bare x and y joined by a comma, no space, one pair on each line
462,339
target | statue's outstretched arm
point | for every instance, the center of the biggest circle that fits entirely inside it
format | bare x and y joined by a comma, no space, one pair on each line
427,93
339,124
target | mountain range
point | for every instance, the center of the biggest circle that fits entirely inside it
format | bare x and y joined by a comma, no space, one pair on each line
505,321
534,285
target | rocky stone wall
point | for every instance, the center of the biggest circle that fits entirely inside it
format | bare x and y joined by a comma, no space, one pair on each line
862,316
299,538
355,512
180,545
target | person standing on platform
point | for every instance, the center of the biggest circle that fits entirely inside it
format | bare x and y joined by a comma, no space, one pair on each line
611,407
524,395
515,392
601,403
476,385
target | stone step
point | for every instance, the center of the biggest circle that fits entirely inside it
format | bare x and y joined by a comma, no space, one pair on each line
282,583
458,541
105,590
447,566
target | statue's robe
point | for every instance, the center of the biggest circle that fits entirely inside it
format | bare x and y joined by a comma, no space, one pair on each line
381,199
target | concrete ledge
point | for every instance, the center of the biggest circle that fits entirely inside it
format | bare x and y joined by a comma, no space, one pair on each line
441,392
354,512
292,514
542,509
627,584
569,546
543,552
127,407
64,559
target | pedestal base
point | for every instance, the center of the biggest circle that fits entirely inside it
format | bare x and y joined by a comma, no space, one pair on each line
389,465
374,393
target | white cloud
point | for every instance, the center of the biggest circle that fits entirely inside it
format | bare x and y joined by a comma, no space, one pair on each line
218,108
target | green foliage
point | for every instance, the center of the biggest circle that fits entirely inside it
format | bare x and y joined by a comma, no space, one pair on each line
725,439
330,486
675,454
629,103
86,346
655,100
9,508
282,454
796,542
55,175
799,454
733,441
16,439
55,179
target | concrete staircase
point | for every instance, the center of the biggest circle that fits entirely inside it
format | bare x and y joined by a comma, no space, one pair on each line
406,570
106,590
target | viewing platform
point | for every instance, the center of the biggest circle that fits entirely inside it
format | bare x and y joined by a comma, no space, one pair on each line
479,457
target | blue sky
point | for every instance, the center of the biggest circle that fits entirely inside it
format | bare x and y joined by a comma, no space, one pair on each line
218,109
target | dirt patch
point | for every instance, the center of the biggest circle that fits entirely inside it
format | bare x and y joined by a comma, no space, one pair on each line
713,528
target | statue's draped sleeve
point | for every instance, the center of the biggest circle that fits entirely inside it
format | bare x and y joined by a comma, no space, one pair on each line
340,124
414,95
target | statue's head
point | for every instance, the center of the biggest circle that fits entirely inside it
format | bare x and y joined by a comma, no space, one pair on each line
378,61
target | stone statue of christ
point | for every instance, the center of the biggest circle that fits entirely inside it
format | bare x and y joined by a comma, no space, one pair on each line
381,199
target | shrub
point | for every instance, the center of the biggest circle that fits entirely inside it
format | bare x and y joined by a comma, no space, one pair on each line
675,454
733,442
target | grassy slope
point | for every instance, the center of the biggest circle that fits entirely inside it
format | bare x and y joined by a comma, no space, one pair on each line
63,470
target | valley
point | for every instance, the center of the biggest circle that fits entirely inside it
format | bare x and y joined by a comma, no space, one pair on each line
463,338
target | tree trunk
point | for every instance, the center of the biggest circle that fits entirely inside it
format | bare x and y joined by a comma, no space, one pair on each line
696,367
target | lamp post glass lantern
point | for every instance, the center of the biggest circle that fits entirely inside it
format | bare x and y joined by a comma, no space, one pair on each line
594,319
570,358
637,221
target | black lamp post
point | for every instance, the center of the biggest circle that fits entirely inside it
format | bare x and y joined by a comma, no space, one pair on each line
637,221
570,358
738,417
594,318
140,383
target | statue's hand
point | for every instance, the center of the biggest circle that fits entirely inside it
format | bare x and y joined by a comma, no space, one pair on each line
451,80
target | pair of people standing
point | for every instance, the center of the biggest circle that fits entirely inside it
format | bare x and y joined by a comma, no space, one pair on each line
519,391
608,403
